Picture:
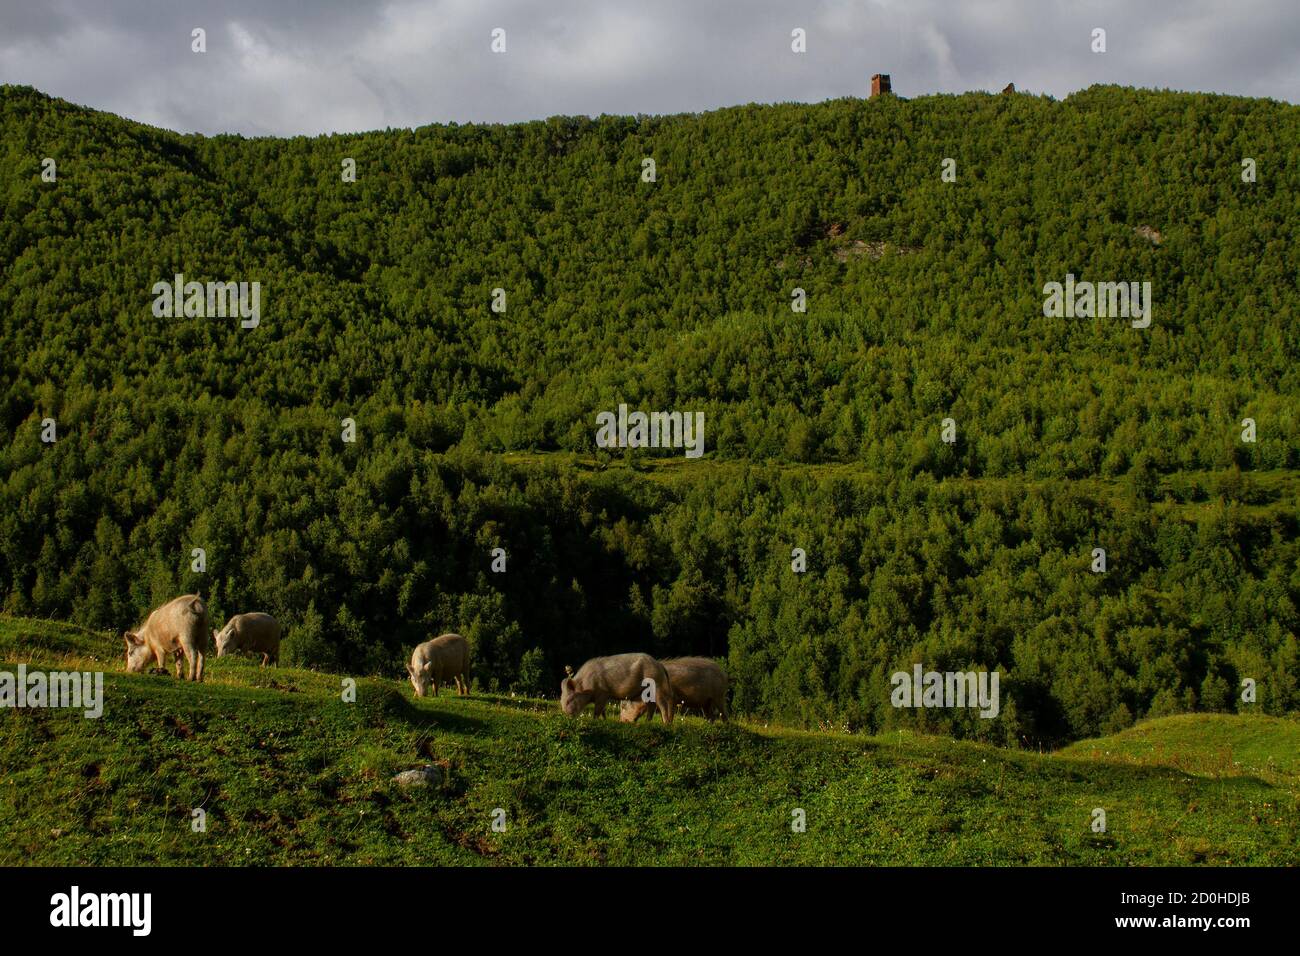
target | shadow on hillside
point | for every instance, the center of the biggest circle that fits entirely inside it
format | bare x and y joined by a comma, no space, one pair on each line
55,638
1137,770
524,704
445,720
426,713
632,741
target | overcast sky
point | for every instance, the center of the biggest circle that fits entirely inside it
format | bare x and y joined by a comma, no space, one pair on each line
292,66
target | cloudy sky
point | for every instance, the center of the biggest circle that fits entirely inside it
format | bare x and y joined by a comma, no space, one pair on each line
293,66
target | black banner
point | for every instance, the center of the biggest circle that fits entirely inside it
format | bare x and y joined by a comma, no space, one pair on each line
529,906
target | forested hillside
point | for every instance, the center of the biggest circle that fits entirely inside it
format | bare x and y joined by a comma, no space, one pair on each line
476,428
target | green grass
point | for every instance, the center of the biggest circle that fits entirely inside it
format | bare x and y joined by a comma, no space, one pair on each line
1205,745
289,773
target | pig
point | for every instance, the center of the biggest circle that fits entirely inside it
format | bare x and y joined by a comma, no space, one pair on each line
255,632
438,661
603,679
179,627
698,683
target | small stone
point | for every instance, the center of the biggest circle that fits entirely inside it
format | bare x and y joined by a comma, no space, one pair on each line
429,776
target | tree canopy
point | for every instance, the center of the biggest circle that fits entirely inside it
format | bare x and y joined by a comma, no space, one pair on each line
476,428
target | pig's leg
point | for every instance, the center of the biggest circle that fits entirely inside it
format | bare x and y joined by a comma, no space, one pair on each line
599,703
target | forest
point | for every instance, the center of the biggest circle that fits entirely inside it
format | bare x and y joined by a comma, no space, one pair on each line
477,294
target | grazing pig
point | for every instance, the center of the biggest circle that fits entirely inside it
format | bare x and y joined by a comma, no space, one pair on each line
698,683
438,661
603,679
179,627
255,632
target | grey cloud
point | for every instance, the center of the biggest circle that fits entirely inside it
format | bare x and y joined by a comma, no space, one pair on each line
287,67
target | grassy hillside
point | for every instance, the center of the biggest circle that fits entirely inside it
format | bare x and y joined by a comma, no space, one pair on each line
1205,746
289,774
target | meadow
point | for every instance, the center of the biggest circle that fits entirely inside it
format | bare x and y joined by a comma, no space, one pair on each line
289,774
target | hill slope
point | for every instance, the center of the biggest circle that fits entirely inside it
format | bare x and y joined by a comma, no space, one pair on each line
824,430
290,774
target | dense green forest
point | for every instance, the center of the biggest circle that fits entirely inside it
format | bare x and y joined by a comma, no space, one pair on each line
475,428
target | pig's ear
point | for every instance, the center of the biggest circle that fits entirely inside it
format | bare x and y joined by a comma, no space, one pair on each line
130,638
567,684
